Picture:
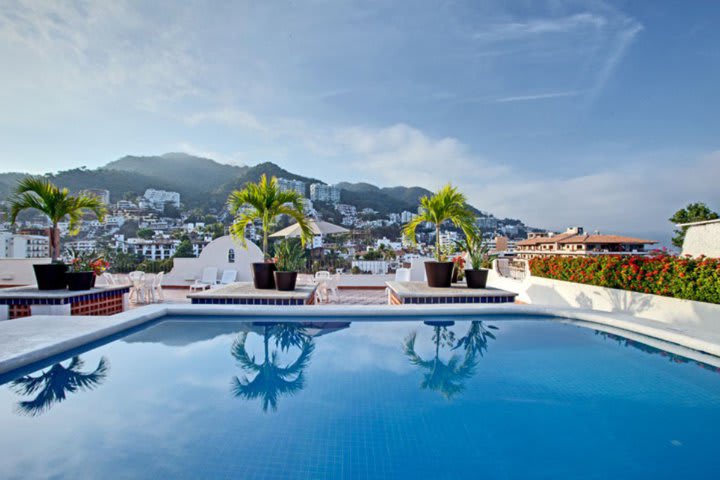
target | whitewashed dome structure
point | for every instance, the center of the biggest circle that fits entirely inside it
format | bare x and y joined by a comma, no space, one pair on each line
224,253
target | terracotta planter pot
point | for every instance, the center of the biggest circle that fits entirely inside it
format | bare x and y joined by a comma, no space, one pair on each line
263,277
285,281
476,278
50,276
439,274
79,280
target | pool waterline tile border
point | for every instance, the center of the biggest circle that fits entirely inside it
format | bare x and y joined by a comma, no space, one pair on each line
32,339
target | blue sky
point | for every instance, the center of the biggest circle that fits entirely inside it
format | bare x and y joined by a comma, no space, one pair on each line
603,114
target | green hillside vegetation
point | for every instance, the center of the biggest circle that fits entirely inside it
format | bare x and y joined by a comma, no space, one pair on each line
180,170
205,184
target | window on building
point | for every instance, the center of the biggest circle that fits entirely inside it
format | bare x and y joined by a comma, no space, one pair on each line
231,255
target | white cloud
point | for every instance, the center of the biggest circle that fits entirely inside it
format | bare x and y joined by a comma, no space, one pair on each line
634,198
541,26
537,96
403,155
227,116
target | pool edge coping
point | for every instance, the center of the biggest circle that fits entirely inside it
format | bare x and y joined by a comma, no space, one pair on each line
134,318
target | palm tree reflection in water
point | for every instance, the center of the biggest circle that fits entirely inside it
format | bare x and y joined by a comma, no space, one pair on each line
54,384
271,380
448,378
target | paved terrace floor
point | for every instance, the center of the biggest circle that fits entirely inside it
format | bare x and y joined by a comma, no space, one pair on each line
344,297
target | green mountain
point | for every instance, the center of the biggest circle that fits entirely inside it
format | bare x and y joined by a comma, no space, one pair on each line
253,174
183,171
384,200
205,183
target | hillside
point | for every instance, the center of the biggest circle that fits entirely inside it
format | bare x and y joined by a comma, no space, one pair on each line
180,170
253,174
205,183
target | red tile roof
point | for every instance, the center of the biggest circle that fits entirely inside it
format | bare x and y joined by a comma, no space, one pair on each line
597,238
566,238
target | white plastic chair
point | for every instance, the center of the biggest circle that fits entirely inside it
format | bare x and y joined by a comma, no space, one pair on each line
402,275
137,286
155,290
332,285
109,279
208,279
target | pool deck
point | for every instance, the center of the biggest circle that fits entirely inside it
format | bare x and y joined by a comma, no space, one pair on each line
33,339
245,293
403,293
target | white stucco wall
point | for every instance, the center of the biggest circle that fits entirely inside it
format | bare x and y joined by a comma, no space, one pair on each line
19,271
702,240
686,314
215,254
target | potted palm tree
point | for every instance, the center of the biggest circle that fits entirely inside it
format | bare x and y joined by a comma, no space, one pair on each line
447,204
479,259
265,201
289,260
36,193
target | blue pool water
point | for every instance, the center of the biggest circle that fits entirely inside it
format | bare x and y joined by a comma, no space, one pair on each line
207,398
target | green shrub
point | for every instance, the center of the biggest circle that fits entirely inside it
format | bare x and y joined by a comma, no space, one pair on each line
680,277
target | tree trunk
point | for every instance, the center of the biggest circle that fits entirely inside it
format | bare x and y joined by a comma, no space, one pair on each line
437,242
54,242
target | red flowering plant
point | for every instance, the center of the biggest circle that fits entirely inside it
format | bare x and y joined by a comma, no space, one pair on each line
659,274
458,266
87,262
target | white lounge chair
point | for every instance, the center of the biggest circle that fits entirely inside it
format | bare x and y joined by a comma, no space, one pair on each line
228,277
208,279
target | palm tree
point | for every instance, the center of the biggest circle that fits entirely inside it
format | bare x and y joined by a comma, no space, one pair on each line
41,194
265,202
54,384
271,380
445,378
476,339
447,204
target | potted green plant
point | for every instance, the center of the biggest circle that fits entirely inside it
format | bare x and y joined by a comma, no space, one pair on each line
479,258
37,193
83,267
447,204
289,260
265,201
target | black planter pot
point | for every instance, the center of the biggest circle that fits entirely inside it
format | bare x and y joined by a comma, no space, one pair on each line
439,274
285,281
263,278
476,278
50,276
79,280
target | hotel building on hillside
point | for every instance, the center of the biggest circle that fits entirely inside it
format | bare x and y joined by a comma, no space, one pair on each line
574,241
287,185
320,192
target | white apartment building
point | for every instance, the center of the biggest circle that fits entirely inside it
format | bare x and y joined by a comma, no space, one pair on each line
82,246
388,244
24,246
126,205
159,198
320,192
346,210
448,239
287,185
406,216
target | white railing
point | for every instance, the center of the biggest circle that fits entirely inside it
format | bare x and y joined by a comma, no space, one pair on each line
511,268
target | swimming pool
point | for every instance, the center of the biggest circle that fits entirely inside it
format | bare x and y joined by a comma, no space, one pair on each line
221,398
